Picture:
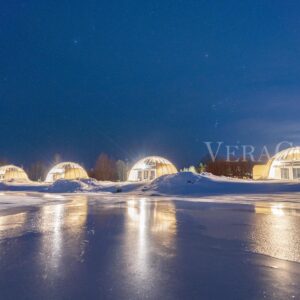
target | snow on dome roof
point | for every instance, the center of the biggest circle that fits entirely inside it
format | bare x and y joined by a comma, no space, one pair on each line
158,165
290,154
11,172
66,170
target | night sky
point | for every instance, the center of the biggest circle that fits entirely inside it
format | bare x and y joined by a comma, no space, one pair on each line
133,78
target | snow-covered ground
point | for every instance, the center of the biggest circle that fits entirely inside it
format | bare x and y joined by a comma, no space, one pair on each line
190,184
181,184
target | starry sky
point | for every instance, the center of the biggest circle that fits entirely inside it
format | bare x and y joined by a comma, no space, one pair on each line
133,78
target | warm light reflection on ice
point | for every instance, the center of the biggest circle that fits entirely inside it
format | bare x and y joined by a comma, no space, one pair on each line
275,233
62,227
158,219
54,196
277,210
52,218
136,235
150,230
12,223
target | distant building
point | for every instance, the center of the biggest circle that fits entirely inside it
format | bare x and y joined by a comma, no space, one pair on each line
285,165
66,170
12,173
150,168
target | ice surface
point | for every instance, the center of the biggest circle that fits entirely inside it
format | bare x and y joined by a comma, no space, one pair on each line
123,246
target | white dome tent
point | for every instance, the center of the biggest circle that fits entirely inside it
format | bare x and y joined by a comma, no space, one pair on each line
11,172
150,168
66,170
286,165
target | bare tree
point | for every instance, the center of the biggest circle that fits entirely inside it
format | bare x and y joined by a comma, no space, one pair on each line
237,168
105,168
122,170
37,171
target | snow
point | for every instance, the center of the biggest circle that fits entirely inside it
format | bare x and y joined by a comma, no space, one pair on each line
191,184
65,186
180,184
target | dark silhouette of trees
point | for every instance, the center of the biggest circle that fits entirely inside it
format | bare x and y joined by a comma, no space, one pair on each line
122,170
233,168
37,171
105,168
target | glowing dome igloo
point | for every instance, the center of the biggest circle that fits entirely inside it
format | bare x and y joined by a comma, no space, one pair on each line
68,171
150,168
11,172
286,165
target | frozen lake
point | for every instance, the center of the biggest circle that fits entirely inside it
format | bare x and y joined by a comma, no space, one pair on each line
126,247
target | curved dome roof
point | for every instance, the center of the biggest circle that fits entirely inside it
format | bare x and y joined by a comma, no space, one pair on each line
68,171
11,172
161,165
150,161
284,161
290,154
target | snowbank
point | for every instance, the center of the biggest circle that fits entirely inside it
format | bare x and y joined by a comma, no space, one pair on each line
66,186
28,186
181,184
190,184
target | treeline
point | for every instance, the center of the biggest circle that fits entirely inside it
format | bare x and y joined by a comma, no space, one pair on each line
105,168
237,168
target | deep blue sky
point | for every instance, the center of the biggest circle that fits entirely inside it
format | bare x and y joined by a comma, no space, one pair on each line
133,78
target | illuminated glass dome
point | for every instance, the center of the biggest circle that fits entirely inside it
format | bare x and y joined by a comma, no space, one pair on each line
68,171
150,168
11,172
286,165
